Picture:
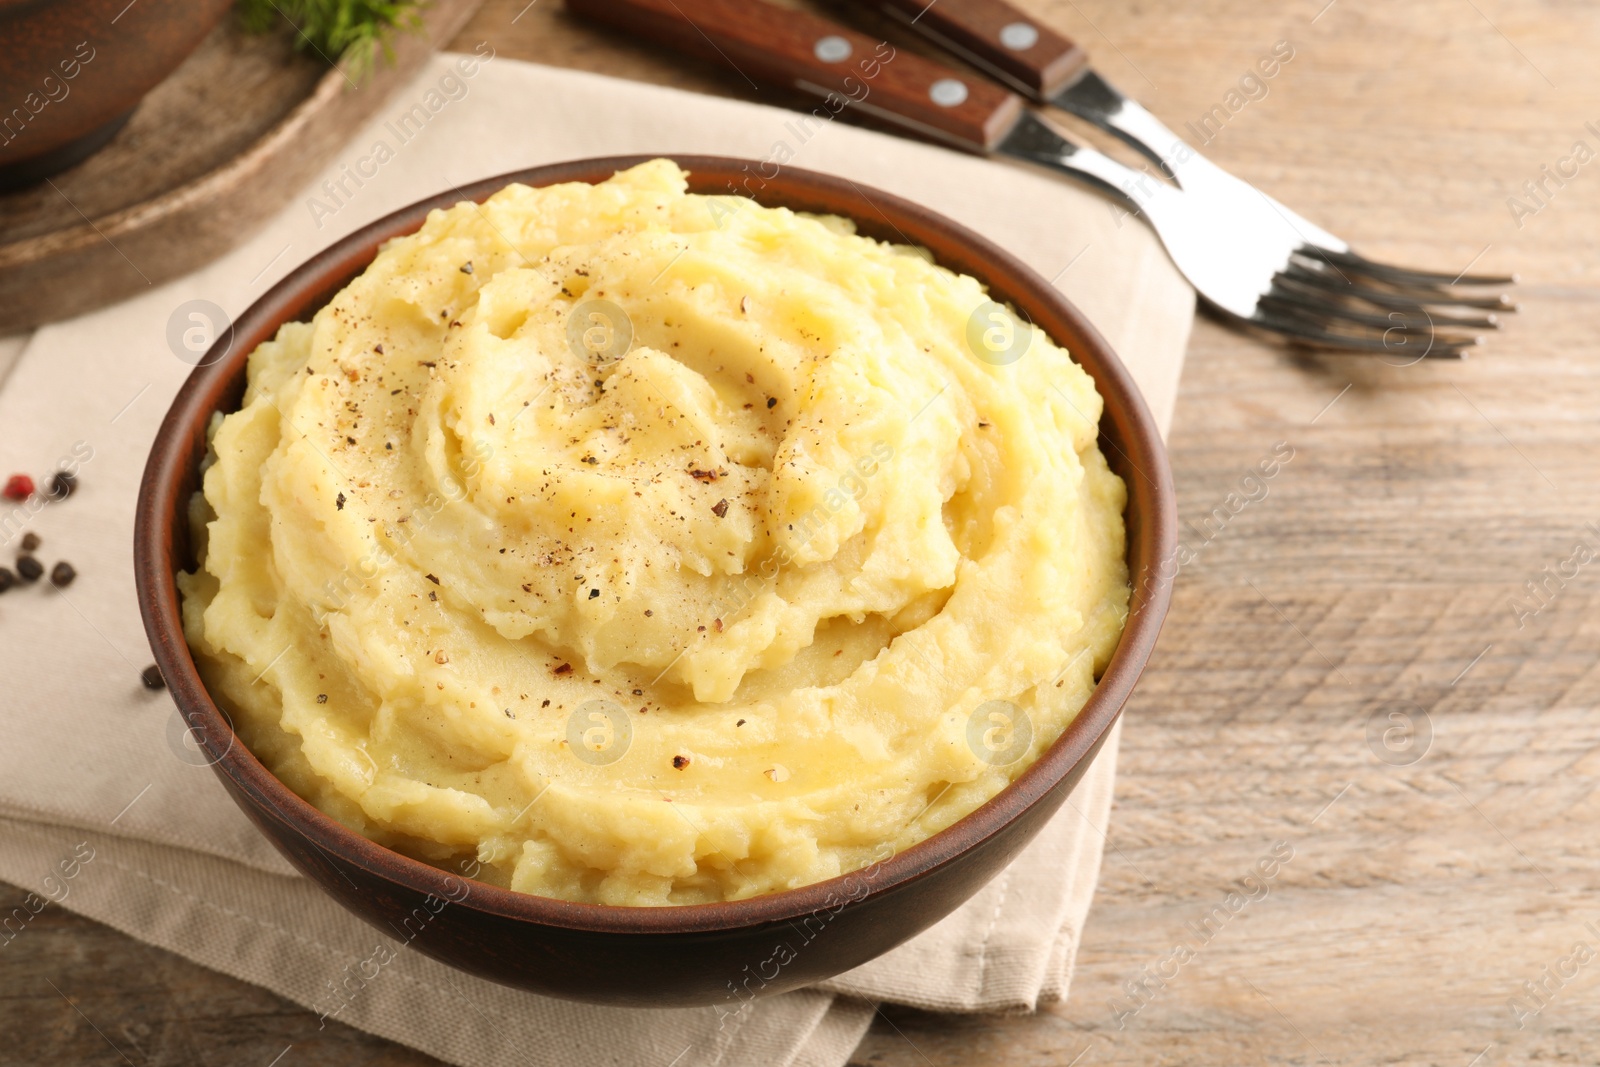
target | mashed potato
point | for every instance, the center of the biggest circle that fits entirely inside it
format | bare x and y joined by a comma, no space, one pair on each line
643,548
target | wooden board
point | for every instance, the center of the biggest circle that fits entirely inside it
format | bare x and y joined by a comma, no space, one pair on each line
1379,565
210,154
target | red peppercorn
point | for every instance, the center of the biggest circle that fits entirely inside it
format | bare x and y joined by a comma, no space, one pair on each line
18,487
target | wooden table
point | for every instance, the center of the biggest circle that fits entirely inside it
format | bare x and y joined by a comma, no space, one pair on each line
1378,575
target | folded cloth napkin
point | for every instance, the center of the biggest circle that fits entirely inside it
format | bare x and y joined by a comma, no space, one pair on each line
106,810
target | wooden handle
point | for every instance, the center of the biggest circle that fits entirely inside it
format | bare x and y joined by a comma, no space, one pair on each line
791,49
999,38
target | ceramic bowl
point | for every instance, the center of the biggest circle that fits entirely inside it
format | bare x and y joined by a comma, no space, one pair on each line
72,73
670,956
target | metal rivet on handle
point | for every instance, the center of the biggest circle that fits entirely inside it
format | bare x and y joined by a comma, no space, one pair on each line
832,49
1019,36
948,92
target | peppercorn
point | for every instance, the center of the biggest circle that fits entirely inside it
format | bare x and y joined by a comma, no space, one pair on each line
61,574
29,569
18,487
62,485
7,579
30,541
151,677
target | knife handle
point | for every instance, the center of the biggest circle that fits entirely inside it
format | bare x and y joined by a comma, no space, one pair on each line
999,38
792,49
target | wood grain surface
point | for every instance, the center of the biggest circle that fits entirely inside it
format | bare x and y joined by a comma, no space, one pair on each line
1378,576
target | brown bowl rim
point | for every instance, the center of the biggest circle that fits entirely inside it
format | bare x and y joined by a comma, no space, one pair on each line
159,601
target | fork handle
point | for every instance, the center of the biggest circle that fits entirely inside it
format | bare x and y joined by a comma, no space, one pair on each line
999,38
792,49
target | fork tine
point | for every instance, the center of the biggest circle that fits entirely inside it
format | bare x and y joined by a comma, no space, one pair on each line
1354,261
1293,291
1414,324
1322,337
1333,320
1424,290
1327,274
1397,297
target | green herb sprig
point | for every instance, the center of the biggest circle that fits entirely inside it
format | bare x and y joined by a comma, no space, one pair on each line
352,31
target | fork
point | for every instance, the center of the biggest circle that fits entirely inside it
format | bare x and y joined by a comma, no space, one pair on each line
1265,277
1050,69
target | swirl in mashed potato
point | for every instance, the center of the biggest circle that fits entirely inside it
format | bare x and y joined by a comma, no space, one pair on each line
647,548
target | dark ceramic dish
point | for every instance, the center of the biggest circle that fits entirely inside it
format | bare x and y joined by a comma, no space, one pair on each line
72,73
691,955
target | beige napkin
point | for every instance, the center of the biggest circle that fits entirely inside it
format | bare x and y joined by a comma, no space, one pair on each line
93,765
